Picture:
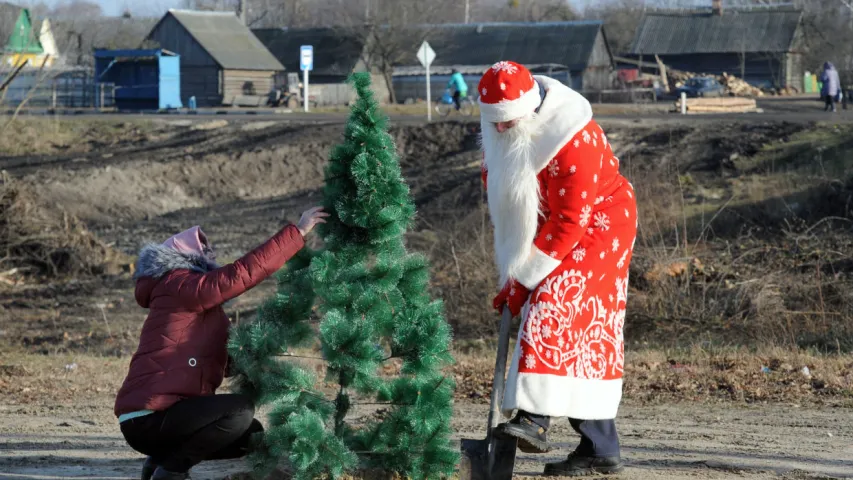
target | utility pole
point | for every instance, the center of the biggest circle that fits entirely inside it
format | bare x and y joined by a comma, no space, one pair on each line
366,11
467,11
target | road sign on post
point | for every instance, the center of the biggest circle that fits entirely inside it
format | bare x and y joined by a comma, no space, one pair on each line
306,63
426,55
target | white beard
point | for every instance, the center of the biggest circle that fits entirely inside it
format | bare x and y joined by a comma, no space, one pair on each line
513,192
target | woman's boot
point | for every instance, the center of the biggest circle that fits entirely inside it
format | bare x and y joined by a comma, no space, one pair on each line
148,469
163,474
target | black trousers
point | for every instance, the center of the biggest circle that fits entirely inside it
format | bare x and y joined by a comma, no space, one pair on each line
598,437
830,103
457,97
215,427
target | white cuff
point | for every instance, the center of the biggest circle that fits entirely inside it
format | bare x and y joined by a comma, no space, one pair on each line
537,267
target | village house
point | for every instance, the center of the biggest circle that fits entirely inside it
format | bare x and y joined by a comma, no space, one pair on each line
222,62
764,46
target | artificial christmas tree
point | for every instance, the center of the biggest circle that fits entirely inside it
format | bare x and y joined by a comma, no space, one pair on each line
373,298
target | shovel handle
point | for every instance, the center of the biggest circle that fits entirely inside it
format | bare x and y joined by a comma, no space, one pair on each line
499,380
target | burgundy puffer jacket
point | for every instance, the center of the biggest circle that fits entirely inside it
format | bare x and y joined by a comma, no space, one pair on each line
182,350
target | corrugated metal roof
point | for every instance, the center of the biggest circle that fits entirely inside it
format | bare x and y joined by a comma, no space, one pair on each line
771,31
336,51
227,40
569,44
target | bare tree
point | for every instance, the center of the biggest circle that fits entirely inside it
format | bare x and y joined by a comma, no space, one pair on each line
526,11
76,9
621,19
389,30
211,5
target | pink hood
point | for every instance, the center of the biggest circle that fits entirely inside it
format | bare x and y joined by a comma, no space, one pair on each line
190,241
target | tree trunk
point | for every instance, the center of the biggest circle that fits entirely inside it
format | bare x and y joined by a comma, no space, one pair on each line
388,73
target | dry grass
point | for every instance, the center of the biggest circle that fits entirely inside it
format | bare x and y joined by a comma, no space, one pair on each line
770,262
59,379
35,240
33,136
652,376
747,265
697,374
421,109
768,375
399,109
762,257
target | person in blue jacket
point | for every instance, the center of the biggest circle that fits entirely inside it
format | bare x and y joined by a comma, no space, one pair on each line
459,87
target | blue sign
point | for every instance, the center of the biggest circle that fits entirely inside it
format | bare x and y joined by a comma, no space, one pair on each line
306,57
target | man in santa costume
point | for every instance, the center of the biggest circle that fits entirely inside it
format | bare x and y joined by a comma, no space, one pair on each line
565,221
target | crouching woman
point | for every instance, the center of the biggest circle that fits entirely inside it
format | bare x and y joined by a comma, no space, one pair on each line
167,407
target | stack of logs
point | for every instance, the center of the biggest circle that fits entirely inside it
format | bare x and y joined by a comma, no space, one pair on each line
718,105
738,87
734,85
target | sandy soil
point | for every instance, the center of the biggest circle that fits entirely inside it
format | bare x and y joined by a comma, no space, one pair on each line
672,442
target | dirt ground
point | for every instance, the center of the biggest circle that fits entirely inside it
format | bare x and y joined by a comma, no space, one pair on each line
671,441
743,277
56,422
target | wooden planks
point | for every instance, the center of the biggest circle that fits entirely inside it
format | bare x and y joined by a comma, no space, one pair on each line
238,86
719,105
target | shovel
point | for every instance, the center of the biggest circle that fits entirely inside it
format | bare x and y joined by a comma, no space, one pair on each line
494,457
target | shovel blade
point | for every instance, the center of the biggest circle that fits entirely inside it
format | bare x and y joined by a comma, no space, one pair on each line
503,457
480,462
474,463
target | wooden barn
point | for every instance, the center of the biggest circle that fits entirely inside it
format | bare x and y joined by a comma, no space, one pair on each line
762,46
222,62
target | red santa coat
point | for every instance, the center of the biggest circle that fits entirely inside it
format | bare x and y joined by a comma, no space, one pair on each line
569,357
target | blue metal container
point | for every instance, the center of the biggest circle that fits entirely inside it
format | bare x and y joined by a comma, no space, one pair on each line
143,79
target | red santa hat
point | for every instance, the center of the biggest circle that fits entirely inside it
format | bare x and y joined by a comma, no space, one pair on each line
507,92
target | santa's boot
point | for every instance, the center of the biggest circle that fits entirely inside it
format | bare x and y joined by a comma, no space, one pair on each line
163,474
148,469
577,465
532,437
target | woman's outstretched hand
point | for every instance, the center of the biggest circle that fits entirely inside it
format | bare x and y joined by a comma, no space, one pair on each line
310,219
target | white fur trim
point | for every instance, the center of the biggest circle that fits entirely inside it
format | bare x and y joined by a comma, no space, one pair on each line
562,115
556,396
538,266
510,110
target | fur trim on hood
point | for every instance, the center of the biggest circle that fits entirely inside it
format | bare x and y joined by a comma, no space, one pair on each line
156,260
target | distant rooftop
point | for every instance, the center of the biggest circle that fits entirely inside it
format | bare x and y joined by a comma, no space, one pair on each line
227,40
565,44
742,31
